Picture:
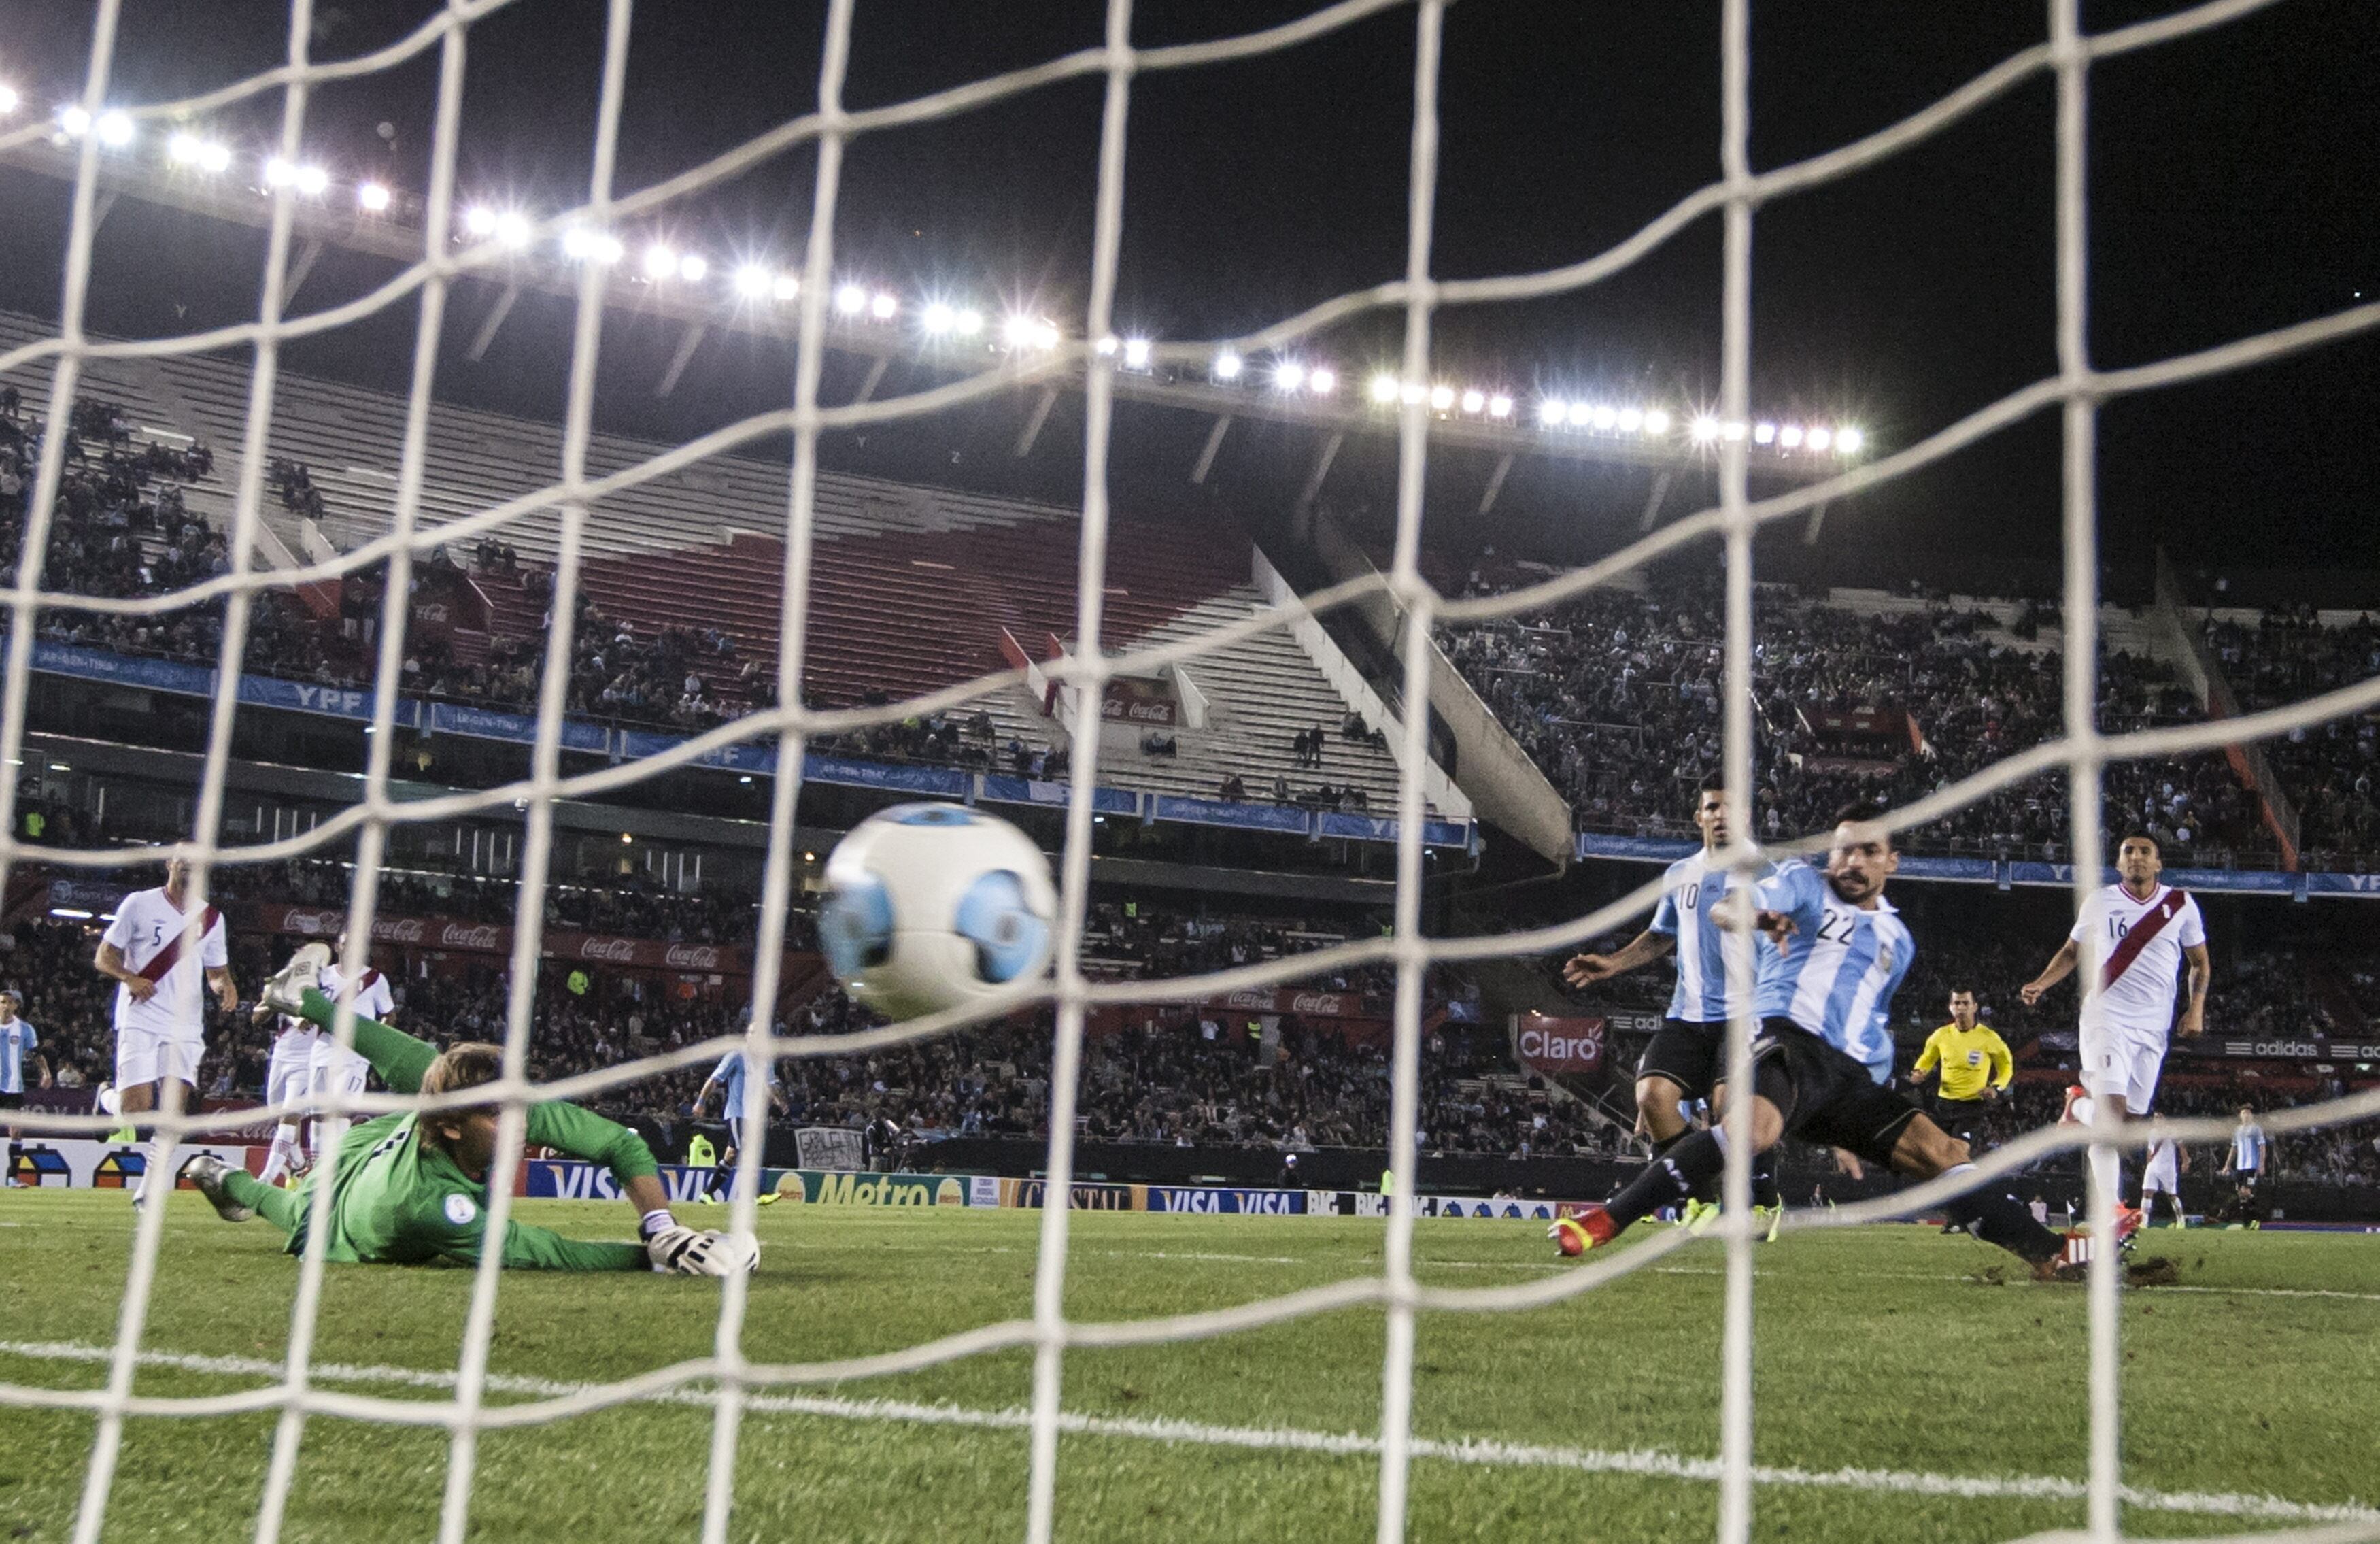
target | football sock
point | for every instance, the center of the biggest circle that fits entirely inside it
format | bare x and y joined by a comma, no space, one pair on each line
283,1152
1996,1217
2107,1170
1693,1162
1764,1180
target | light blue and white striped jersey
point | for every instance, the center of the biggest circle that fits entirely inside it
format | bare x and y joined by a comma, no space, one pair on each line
1692,886
729,1075
1836,976
2248,1149
17,1043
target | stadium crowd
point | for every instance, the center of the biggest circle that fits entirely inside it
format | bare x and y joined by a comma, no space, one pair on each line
1615,694
2332,771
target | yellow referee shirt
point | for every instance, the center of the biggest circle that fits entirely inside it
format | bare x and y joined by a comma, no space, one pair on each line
1968,1059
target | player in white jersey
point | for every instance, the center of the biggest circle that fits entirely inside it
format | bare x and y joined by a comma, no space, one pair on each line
344,1071
2135,935
161,957
287,1078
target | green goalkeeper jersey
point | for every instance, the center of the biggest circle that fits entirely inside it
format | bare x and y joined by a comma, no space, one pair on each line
398,1200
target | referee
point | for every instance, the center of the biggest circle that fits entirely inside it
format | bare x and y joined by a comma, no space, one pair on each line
1975,1066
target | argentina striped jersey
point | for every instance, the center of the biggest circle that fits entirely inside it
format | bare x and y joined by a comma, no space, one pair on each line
1691,888
1836,976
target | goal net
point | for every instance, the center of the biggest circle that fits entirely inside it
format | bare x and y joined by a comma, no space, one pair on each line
728,1380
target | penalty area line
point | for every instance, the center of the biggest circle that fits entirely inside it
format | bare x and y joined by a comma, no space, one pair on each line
1648,1463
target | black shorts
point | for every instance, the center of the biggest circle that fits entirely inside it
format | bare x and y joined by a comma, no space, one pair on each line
1962,1118
1689,1055
1824,1095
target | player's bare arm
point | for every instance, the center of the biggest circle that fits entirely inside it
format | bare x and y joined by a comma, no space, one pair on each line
110,962
226,991
2202,971
1584,970
2060,965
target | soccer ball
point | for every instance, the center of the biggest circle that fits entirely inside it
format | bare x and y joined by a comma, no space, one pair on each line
932,906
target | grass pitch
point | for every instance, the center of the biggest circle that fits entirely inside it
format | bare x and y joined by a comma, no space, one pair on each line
1904,1392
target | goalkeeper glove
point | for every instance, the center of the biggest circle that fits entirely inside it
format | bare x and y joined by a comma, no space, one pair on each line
689,1253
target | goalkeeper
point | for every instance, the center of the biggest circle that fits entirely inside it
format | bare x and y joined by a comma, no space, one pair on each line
412,1187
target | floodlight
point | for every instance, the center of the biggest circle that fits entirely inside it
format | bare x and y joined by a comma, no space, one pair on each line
969,322
694,268
1606,419
182,148
1820,438
1322,381
1553,412
1763,433
312,181
371,198
1705,429
479,220
1442,399
1412,392
115,129
884,308
1384,388
661,262
1734,429
937,318
1500,407
1847,441
1630,419
1227,366
1289,375
9,100
279,172
850,300
1105,348
1790,436
513,229
788,285
1017,332
1474,400
1657,421
74,121
1135,353
752,281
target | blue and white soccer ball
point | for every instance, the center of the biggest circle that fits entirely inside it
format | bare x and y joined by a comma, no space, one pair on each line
935,905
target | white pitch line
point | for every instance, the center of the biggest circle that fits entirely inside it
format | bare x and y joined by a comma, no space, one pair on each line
1929,1276
1648,1463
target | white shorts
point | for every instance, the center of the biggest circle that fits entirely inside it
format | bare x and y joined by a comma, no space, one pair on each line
2118,1067
288,1076
334,1071
2163,1175
142,1056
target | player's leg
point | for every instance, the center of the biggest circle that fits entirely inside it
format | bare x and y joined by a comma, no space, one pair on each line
150,1067
399,1058
331,1076
236,1197
1923,1151
1678,1067
1694,1161
286,1082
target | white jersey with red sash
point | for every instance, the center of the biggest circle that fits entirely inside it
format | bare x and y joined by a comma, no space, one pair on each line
2138,947
174,949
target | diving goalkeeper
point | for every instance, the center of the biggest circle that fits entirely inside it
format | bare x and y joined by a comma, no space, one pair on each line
411,1186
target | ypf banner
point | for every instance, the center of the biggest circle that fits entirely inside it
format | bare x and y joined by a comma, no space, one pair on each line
1548,1044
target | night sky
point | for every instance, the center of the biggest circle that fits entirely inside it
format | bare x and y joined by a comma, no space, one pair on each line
2233,178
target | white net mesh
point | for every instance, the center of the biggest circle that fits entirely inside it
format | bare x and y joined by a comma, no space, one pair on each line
297,1393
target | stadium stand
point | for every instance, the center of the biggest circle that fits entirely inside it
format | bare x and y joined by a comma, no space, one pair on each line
1616,695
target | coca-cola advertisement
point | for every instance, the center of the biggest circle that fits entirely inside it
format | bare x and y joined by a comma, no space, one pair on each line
496,938
1138,700
1546,1044
1298,1000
